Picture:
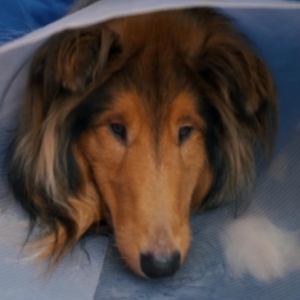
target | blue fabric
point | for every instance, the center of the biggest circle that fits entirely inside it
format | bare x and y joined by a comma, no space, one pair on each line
19,17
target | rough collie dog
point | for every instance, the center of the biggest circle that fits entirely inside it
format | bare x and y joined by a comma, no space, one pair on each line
137,122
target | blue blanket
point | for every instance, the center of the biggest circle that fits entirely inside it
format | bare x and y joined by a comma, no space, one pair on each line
18,17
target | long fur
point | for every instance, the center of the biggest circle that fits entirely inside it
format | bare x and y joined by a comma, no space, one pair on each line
73,80
254,245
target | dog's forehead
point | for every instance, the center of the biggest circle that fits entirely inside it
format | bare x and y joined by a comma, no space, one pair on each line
136,109
156,76
157,79
168,32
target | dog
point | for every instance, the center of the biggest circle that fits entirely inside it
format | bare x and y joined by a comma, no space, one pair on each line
139,121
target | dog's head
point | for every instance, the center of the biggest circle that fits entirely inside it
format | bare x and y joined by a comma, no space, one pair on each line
139,121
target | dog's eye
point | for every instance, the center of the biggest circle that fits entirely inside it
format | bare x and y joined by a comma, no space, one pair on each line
184,133
118,130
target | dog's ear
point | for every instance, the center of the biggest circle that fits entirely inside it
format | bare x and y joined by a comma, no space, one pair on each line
240,106
47,170
71,60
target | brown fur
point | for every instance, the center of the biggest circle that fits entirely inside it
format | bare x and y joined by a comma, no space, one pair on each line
154,74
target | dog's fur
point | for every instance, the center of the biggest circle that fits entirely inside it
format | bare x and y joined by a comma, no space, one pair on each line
138,121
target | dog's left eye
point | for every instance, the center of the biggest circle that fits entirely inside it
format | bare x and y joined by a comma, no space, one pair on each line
184,133
118,130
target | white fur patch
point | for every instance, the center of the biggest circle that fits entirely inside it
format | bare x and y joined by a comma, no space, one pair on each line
255,246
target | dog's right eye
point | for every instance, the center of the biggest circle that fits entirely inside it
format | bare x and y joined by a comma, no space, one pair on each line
118,130
184,133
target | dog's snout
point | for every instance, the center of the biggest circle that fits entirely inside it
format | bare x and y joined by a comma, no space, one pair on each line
160,266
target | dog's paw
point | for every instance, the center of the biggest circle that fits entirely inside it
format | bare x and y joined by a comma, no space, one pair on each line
255,246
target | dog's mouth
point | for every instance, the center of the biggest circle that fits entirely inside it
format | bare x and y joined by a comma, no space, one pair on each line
102,228
151,264
105,226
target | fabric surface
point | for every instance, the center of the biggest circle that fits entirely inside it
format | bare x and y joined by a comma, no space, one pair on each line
19,17
274,27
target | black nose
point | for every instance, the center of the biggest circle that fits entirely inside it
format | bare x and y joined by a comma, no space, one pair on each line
160,266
